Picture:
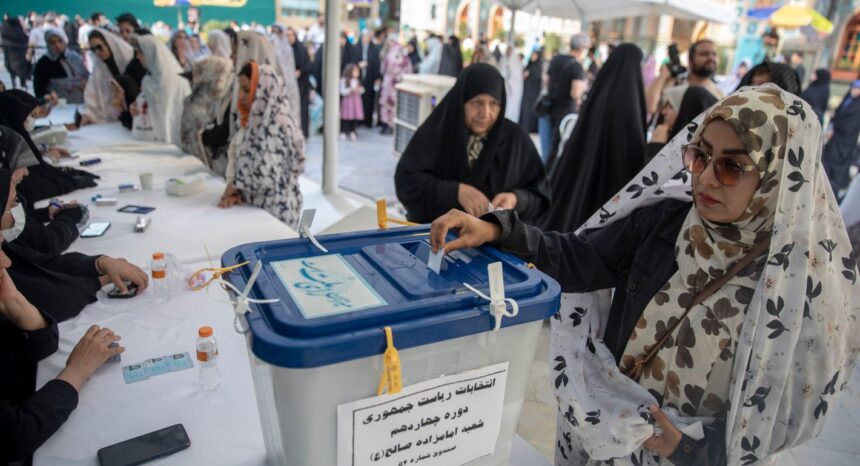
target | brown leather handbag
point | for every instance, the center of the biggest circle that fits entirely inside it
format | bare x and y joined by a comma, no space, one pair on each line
635,371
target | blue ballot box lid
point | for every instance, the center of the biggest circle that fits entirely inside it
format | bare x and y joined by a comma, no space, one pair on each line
332,306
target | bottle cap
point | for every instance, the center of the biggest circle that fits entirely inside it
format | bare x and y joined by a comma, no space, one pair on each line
158,255
205,332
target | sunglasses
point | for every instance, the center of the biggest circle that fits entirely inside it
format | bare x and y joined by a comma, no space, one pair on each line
727,171
98,47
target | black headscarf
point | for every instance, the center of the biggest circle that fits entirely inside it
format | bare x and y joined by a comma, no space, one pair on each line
818,92
414,55
781,74
452,58
14,41
436,161
840,152
531,92
17,105
45,180
5,186
14,151
607,146
696,100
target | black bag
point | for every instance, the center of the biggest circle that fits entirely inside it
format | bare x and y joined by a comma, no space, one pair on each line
542,106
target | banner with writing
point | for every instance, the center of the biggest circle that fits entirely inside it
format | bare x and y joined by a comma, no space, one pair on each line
325,285
449,421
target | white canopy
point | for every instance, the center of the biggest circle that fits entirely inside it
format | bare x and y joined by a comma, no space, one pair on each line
599,10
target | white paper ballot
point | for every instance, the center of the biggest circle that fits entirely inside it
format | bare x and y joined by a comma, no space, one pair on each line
434,260
491,208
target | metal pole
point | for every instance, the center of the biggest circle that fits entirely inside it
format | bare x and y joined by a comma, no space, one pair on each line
331,109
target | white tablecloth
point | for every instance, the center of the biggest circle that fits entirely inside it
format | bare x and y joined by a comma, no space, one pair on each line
223,425
180,225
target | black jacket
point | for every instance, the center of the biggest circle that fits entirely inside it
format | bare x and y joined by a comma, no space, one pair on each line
58,285
635,256
27,419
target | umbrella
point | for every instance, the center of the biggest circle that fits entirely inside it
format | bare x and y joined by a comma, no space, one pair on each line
792,16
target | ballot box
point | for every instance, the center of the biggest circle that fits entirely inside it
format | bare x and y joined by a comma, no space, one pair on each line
317,353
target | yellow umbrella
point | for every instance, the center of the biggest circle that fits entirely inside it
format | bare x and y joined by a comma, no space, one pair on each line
795,16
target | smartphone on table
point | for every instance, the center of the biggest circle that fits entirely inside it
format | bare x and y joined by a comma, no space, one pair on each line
95,229
147,447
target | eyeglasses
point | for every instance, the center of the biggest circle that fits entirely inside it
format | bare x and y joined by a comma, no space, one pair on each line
727,171
98,47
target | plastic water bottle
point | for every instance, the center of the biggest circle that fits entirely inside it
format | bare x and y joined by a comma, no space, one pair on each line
207,359
160,285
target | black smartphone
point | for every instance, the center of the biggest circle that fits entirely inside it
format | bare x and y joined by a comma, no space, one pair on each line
145,448
95,229
117,294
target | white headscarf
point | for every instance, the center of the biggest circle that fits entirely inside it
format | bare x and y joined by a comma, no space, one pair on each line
799,339
433,59
209,99
98,107
219,44
251,45
512,70
287,63
163,90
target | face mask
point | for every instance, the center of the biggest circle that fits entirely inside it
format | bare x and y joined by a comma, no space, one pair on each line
11,234
30,124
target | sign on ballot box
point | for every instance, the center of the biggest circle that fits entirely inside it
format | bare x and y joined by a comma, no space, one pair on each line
450,421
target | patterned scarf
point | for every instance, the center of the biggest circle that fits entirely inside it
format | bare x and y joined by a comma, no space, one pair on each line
475,145
692,372
270,156
783,341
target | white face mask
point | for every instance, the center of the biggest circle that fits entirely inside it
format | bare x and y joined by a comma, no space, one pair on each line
30,124
12,233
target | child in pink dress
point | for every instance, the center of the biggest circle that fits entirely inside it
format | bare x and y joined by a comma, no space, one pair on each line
351,105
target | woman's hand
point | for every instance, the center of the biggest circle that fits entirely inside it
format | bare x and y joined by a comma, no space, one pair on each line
472,200
119,271
89,354
472,231
118,96
666,443
54,210
231,197
58,153
505,201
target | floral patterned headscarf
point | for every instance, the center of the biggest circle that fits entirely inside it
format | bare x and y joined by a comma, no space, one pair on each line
770,350
271,151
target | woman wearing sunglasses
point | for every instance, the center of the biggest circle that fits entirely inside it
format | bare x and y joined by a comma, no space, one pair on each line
733,325
114,82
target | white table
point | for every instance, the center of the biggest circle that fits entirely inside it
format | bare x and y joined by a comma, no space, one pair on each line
180,225
223,425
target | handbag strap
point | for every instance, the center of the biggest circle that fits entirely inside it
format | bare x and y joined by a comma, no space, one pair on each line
710,288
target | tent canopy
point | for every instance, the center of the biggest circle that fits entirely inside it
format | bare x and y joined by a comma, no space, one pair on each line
600,10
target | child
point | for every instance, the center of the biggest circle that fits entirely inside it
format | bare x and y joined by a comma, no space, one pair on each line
351,106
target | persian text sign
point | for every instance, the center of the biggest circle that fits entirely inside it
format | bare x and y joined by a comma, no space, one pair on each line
447,421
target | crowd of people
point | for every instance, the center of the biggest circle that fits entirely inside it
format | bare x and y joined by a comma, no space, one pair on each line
711,208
